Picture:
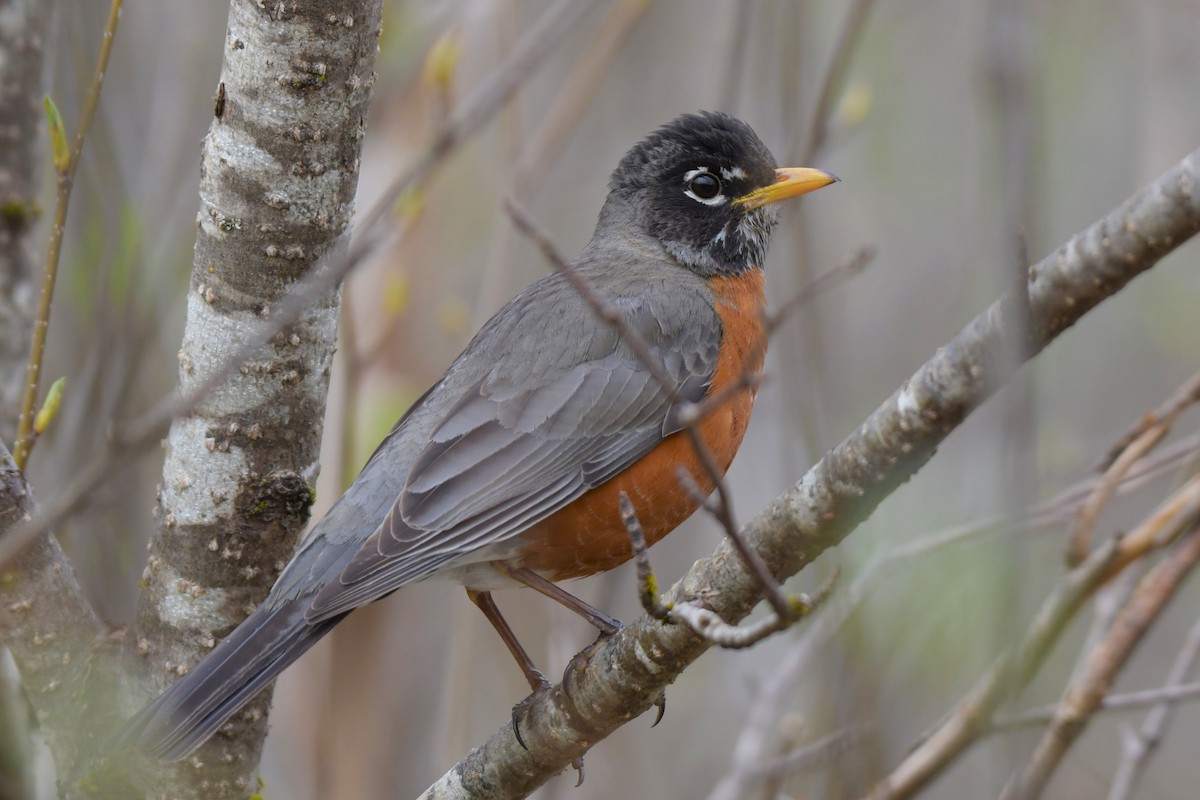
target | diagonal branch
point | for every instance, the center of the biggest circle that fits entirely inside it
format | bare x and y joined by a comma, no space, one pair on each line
627,673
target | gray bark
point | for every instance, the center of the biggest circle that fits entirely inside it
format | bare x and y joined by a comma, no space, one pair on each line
22,33
278,176
22,136
53,635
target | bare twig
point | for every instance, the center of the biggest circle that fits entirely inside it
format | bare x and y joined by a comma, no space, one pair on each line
604,310
1089,513
810,356
1083,697
814,754
542,148
1128,450
835,73
66,181
972,716
850,268
702,621
1187,395
1046,516
786,609
1138,747
376,227
647,585
1164,695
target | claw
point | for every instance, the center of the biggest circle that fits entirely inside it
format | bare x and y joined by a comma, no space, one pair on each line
519,709
660,703
577,763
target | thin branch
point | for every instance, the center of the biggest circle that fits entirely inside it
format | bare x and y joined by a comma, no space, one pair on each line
819,752
835,74
700,620
1139,747
786,609
1186,396
971,716
375,229
542,148
66,181
604,310
1083,697
848,269
1080,540
753,741
1129,449
1164,695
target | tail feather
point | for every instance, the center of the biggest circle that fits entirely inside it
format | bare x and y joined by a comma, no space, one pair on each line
237,669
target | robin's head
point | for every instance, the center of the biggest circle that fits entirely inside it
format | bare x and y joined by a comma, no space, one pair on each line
703,185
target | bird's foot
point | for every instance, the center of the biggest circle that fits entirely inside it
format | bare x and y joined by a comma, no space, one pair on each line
538,683
578,664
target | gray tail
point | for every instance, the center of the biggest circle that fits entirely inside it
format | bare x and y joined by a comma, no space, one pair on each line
237,669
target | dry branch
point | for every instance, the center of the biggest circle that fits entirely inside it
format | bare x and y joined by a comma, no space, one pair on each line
1083,698
628,672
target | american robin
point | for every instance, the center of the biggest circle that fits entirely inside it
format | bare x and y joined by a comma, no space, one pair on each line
507,471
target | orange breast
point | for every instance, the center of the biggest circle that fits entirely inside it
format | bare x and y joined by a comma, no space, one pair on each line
588,536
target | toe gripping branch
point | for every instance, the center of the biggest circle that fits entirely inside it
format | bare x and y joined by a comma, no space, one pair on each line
786,608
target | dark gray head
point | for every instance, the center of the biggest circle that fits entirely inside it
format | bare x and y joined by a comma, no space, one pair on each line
703,185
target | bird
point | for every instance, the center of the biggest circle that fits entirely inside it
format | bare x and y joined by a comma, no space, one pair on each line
508,471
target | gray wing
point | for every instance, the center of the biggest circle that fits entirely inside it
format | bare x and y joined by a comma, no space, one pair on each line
512,452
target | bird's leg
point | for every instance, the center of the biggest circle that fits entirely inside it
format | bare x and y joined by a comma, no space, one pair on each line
537,681
604,623
599,620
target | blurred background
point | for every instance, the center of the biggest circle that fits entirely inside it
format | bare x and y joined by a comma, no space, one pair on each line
955,125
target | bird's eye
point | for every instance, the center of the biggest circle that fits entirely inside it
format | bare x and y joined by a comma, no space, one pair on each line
705,186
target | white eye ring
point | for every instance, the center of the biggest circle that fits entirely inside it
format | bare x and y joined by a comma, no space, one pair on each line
688,176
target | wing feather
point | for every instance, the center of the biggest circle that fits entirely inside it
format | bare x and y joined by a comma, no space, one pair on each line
509,454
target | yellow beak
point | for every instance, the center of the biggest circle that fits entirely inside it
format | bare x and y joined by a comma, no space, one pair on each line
789,182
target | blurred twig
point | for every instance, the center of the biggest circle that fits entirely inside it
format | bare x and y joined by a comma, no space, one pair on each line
1128,450
1164,696
375,228
758,730
807,361
1139,746
66,181
737,36
544,145
1012,671
972,715
1083,697
834,77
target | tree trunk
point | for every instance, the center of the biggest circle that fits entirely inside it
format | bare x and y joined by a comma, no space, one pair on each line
278,177
22,33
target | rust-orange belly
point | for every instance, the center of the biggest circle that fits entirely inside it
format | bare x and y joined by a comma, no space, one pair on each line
587,536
